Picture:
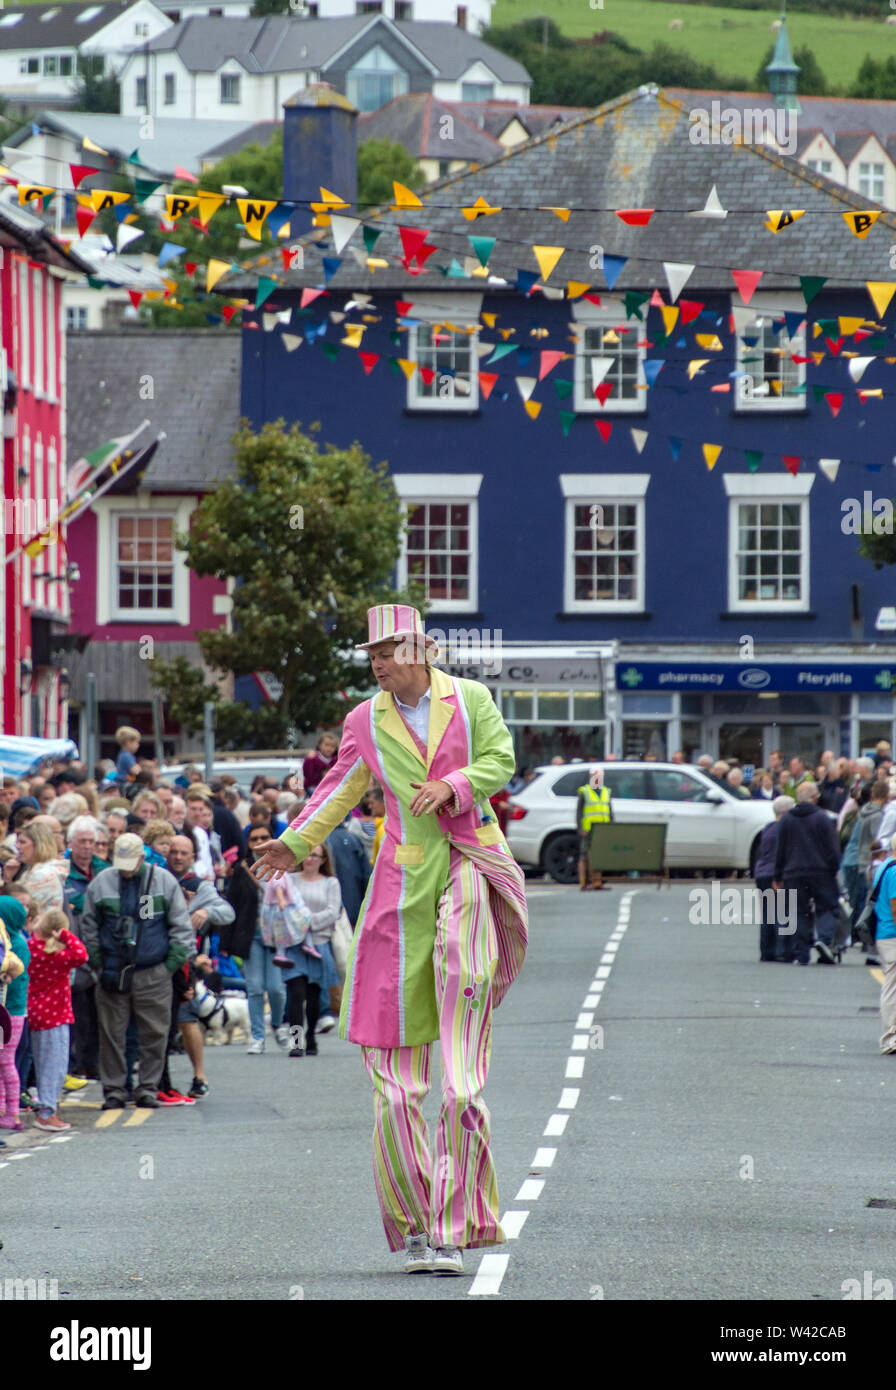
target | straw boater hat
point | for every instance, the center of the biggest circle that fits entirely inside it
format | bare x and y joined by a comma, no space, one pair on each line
397,622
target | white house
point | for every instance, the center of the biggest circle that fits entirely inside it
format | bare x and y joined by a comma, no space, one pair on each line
245,69
41,45
475,15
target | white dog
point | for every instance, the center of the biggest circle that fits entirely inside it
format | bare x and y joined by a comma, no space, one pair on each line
221,1014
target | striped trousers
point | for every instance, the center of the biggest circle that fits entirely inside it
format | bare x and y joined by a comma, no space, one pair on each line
449,1193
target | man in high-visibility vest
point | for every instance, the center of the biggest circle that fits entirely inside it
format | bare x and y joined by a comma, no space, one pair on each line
592,808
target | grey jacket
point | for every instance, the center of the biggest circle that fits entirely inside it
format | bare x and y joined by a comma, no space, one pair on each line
168,902
870,817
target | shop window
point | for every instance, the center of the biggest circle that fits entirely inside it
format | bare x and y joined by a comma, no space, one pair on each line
447,375
553,705
587,704
771,380
640,738
517,704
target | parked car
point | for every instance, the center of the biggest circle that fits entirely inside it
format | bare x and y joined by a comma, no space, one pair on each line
709,827
245,769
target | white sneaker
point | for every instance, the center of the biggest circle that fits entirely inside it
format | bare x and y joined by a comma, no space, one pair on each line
282,1035
419,1256
448,1259
326,1023
255,1049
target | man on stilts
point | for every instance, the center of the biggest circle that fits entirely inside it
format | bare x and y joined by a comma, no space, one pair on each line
441,935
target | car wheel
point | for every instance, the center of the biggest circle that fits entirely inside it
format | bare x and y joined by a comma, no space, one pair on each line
560,858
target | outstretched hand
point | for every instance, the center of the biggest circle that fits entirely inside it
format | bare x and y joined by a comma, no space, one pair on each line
278,859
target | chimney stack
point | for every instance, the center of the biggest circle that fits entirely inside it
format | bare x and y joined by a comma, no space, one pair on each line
320,149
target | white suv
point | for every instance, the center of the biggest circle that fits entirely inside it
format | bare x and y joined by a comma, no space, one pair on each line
709,825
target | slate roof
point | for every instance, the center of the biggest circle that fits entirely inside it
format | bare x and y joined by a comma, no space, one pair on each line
414,120
495,116
832,115
632,152
259,133
196,386
175,141
283,43
61,29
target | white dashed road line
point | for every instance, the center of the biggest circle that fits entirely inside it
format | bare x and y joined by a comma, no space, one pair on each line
493,1267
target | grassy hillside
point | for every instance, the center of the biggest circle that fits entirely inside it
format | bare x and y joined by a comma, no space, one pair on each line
734,40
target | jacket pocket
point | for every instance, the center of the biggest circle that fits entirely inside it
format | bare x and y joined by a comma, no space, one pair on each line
489,834
408,854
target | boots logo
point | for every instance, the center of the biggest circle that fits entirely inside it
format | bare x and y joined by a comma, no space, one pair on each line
753,679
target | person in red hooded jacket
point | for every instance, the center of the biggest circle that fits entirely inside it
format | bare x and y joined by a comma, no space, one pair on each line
55,952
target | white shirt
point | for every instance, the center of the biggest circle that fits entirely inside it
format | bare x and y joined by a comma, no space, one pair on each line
417,716
887,828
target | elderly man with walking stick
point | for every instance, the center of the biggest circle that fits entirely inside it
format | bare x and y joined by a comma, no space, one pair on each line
440,938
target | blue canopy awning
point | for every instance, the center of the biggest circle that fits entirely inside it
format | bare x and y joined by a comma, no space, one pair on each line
19,756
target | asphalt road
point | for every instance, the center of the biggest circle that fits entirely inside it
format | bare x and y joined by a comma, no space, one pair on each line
672,1121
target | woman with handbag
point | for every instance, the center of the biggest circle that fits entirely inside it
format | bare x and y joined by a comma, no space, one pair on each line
320,901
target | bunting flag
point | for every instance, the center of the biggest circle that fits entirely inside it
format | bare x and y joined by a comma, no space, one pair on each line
343,229
404,197
576,288
835,401
599,368
533,409
145,188
860,223
548,361
169,252
670,314
639,439
652,369
754,458
792,463
881,293
479,209
213,272
830,468
746,281
482,247
79,172
83,217
567,420
88,144
612,268
677,274
810,286
486,383
604,429
858,366
176,204
712,207
208,204
33,193
308,297
711,455
547,258
264,289
184,175
332,202
525,385
353,334
254,213
562,213
635,217
102,198
291,341
125,235
369,360
695,365
777,221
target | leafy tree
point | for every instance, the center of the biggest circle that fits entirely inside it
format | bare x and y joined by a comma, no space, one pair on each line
876,79
311,536
379,162
879,549
96,90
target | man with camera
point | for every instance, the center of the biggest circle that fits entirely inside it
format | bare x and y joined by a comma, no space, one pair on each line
137,932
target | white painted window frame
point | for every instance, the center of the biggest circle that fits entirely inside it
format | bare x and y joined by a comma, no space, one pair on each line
769,305
419,488
620,489
754,488
609,314
107,510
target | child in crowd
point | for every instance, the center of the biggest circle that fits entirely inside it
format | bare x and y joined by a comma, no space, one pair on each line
12,921
55,952
126,768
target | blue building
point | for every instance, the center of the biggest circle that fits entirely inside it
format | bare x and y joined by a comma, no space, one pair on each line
649,535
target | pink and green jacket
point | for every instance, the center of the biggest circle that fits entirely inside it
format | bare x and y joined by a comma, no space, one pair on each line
389,997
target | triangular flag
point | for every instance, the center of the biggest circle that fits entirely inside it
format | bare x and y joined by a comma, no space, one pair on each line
145,188
548,361
612,268
405,197
562,213
860,223
330,264
502,350
652,369
677,275
170,250
478,209
254,213
835,401
126,235
84,217
533,409
264,289
135,296
208,204
228,312
369,359
34,192
746,281
575,288
754,458
634,300
602,392
102,198
635,217
675,447
563,389
599,368
778,220
407,367
525,385
711,453
353,334
694,366
79,172
213,272
177,204
184,174
810,286
639,439
483,247
712,206
881,292
567,420
308,297
291,341
858,367
829,468
849,324
343,229
792,463
88,144
486,382
670,314
690,310
604,429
